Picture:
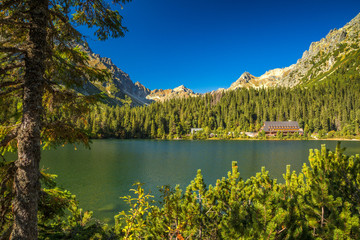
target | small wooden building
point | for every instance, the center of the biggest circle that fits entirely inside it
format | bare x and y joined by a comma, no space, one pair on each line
194,130
271,128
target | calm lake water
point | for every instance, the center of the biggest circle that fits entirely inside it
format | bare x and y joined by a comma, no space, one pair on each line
100,176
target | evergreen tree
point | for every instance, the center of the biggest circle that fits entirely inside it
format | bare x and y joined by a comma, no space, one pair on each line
41,62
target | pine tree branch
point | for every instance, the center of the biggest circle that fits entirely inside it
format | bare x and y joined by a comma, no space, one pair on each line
281,230
5,40
55,33
10,136
7,233
8,4
12,50
11,57
68,95
9,21
7,68
9,83
10,90
60,16
66,21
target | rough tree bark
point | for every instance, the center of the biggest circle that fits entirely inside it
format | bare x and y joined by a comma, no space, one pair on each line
26,185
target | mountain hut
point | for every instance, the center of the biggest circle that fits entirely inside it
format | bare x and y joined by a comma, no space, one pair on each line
271,128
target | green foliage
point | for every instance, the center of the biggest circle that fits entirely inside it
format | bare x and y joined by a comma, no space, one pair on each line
321,202
43,59
131,225
59,215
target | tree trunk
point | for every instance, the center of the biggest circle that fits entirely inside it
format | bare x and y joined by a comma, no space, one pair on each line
26,184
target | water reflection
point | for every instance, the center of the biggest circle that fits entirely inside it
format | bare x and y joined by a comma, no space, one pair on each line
98,177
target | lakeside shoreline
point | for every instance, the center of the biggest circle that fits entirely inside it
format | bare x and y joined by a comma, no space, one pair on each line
241,139
246,139
234,139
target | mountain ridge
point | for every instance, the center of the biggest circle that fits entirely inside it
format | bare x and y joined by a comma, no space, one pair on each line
120,84
318,60
317,63
167,94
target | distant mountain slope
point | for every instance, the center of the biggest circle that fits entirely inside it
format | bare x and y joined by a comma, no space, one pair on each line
163,95
336,55
118,87
339,47
121,85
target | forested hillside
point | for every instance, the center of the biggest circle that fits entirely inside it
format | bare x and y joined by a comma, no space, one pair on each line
324,107
327,103
332,105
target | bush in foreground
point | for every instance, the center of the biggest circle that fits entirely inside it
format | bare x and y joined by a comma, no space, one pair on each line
321,202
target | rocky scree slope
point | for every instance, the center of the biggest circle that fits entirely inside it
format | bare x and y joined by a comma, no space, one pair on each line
167,94
118,87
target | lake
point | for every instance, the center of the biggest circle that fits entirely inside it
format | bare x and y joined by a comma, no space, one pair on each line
100,176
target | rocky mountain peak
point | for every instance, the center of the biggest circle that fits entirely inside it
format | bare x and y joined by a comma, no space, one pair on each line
138,84
246,76
107,61
140,90
179,88
242,81
119,85
182,88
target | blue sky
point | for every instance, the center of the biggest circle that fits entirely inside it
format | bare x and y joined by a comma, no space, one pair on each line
206,44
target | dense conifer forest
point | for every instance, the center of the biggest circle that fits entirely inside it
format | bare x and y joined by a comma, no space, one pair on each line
330,109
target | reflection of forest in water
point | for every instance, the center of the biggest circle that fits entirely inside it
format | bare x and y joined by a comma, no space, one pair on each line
100,176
